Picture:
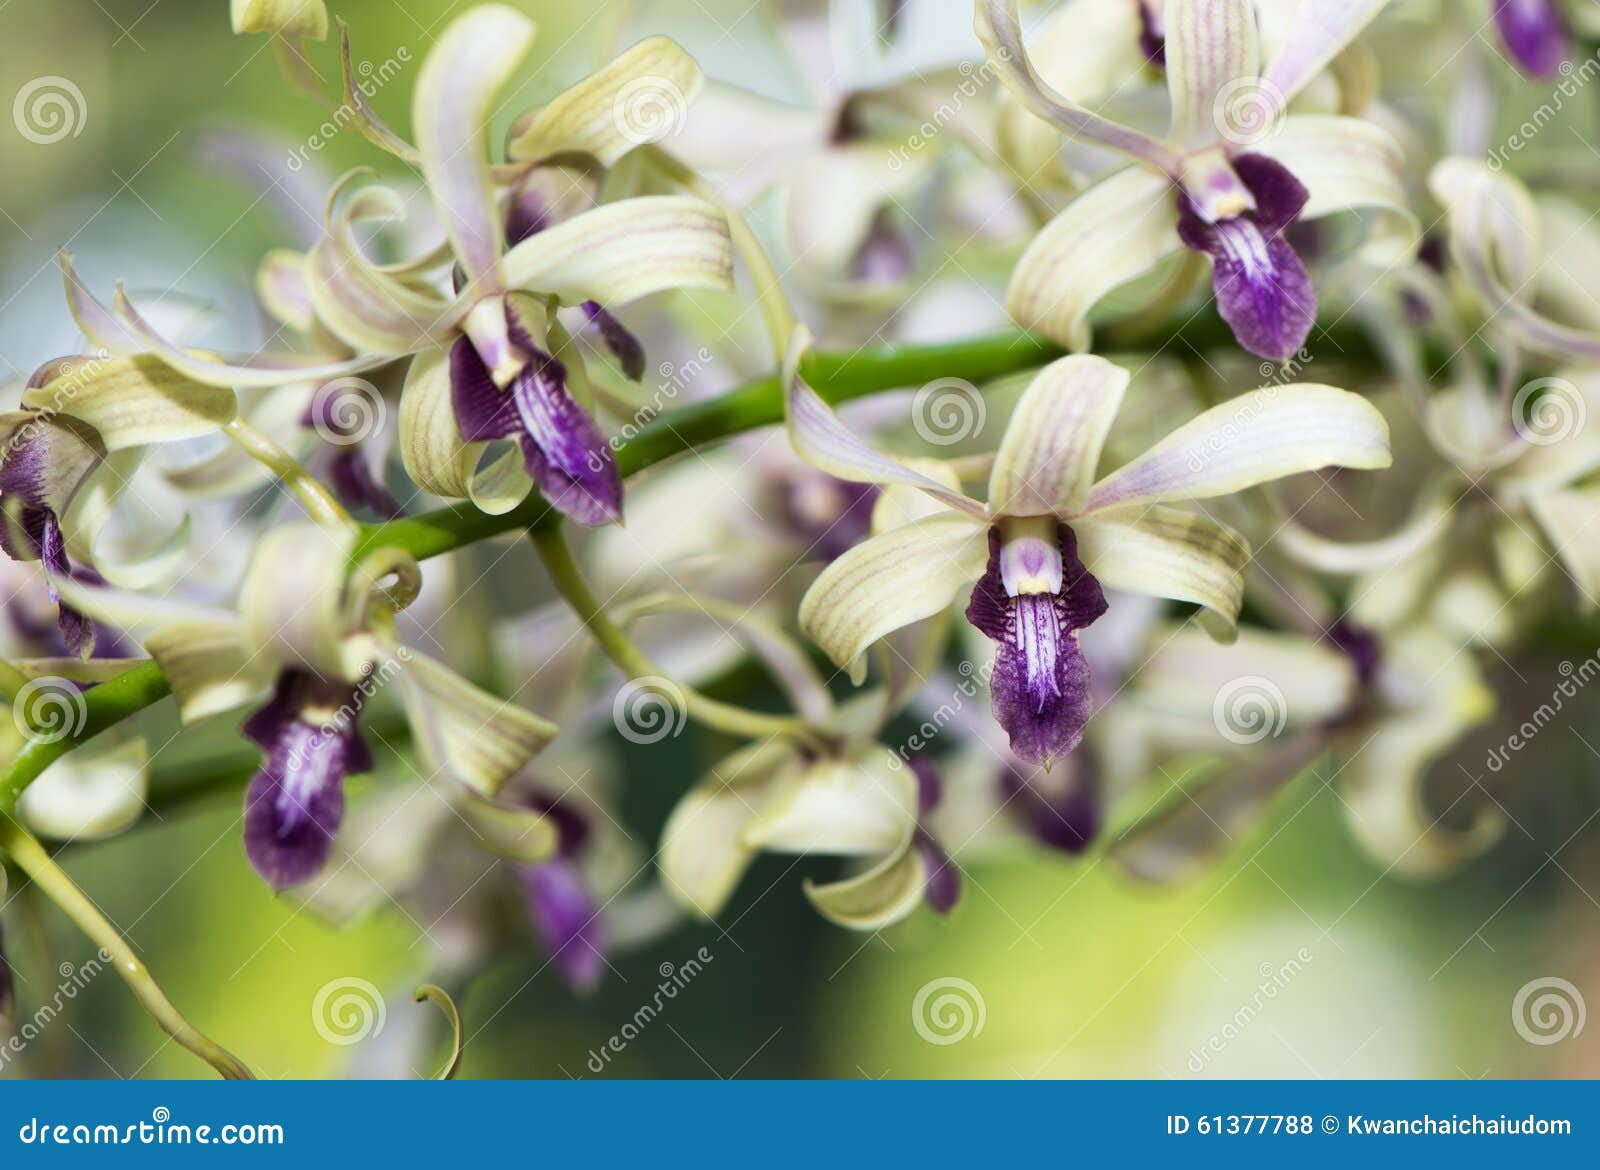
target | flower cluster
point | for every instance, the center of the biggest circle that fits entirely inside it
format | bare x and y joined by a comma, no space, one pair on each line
1123,230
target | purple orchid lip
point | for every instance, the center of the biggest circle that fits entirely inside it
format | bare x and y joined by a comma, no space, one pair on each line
565,453
1535,35
567,920
30,532
624,346
1040,684
295,802
831,516
1262,288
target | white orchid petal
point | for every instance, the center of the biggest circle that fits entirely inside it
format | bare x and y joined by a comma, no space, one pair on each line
1321,30
877,898
626,250
1117,230
827,444
89,794
641,96
998,24
464,71
1211,44
1051,448
1264,435
133,401
1345,164
860,805
891,580
1167,552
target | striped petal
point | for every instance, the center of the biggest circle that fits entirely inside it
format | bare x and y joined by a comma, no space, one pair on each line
640,97
455,96
1117,230
896,578
1167,552
463,731
132,401
1322,30
1051,448
998,24
1348,164
827,444
1263,435
626,250
1210,46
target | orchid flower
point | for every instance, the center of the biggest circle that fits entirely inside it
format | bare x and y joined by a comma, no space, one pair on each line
1051,534
1233,173
325,645
489,361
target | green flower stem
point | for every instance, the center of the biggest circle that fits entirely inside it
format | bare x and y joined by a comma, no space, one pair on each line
104,706
318,500
551,545
33,859
12,680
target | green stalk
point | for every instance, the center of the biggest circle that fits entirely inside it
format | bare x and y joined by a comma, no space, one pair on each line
34,860
632,661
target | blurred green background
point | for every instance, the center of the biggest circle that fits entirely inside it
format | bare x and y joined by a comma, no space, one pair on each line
1071,971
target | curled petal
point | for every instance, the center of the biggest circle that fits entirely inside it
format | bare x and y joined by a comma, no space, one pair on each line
883,894
859,805
626,250
1266,434
999,26
895,578
827,444
467,66
1051,448
1347,164
132,401
641,96
1117,230
464,731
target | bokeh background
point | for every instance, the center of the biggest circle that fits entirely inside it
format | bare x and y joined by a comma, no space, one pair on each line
1067,969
